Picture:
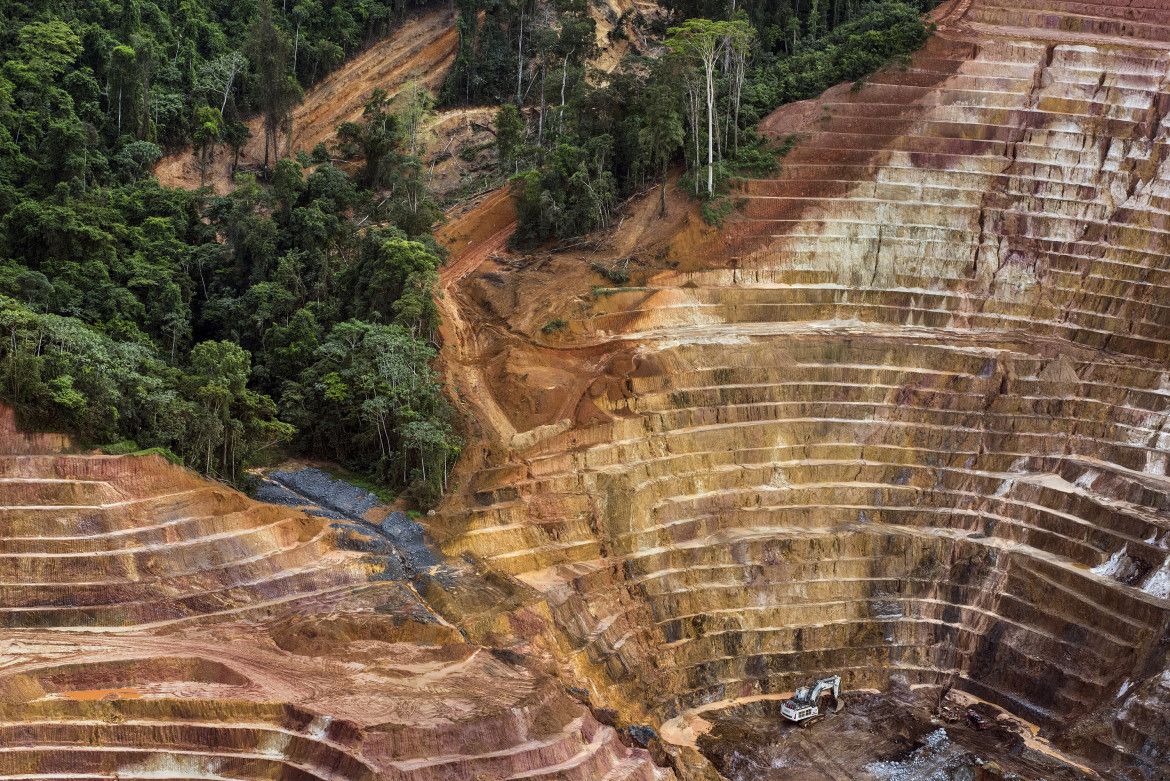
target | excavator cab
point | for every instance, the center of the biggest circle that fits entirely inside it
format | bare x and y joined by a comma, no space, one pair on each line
808,704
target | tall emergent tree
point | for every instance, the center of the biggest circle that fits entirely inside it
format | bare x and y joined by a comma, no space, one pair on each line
703,41
277,90
374,137
662,132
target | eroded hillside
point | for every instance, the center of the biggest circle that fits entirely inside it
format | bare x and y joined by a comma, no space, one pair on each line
159,625
901,420
421,51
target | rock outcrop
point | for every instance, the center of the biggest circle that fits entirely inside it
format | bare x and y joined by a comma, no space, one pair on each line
904,419
158,625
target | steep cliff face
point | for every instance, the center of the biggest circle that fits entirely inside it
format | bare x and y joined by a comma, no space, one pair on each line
157,625
902,420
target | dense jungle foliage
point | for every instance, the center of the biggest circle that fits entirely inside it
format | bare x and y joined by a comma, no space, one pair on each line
577,146
296,311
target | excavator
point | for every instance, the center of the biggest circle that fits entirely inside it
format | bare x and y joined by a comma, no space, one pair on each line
805,708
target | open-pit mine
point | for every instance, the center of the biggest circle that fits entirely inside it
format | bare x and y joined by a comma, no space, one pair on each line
902,419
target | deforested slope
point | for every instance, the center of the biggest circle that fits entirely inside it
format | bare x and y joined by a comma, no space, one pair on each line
160,625
902,419
423,49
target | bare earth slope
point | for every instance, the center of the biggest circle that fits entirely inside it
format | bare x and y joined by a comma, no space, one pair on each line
157,625
423,48
904,419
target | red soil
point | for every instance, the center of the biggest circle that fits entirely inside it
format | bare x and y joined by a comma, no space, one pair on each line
422,49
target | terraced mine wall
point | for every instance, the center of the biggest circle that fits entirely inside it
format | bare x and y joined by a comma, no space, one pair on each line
159,625
904,419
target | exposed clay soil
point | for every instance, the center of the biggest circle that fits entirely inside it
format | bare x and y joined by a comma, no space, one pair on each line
423,48
511,295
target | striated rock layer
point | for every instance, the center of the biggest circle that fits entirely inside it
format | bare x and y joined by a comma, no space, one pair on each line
904,419
157,625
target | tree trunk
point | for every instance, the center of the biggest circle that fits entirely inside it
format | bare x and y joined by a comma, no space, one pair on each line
710,129
144,132
540,123
565,75
662,207
520,58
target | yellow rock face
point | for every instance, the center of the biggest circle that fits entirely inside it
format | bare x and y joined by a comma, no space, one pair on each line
902,420
157,625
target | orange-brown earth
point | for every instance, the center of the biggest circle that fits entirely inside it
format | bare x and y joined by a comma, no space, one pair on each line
902,419
159,625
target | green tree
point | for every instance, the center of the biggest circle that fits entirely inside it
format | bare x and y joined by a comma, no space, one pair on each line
208,122
235,135
370,398
704,41
416,106
221,75
124,64
237,420
277,91
374,137
48,49
510,131
662,131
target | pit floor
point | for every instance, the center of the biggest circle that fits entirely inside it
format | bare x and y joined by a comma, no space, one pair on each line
881,737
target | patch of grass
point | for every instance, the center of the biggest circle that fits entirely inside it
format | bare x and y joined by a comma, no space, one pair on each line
159,451
599,291
787,144
128,447
552,326
362,481
715,211
123,448
618,276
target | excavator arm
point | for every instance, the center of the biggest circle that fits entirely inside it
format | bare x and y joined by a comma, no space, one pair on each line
832,683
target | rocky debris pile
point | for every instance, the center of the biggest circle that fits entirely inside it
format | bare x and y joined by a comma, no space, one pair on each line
398,542
318,493
937,759
396,539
